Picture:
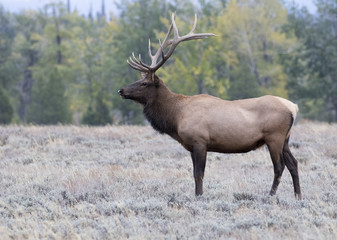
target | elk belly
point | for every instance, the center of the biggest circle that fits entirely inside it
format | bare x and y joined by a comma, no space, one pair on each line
233,129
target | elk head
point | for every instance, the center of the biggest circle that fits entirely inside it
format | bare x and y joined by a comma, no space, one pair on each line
145,89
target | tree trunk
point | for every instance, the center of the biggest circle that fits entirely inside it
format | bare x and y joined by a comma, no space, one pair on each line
58,38
335,111
200,87
26,89
59,53
252,60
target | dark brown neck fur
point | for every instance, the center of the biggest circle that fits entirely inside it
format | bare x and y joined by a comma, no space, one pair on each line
163,110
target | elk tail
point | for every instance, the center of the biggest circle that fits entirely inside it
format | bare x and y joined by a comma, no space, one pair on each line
292,114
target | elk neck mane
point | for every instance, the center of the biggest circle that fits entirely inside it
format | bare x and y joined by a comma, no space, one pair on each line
162,111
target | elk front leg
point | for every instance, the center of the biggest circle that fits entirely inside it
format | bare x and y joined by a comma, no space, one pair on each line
198,155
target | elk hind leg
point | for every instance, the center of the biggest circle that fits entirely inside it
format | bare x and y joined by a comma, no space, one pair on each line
292,166
275,150
199,155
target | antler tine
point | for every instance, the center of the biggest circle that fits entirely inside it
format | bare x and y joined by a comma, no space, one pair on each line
195,23
155,66
173,42
136,64
162,50
176,33
150,54
168,34
133,65
165,44
134,58
141,62
191,35
139,65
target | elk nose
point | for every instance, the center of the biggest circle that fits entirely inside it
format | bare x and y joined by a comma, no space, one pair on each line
120,91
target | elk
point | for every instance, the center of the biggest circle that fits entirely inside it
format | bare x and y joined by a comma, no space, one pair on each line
203,123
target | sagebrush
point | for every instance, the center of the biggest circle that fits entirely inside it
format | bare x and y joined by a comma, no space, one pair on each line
118,182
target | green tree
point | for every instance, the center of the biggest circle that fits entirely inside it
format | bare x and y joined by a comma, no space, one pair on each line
92,57
6,37
29,26
49,103
243,83
252,35
312,68
97,114
8,69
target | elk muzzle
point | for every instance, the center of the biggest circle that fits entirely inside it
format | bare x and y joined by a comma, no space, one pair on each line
120,92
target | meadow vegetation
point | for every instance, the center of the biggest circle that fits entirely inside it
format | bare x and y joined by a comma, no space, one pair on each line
119,182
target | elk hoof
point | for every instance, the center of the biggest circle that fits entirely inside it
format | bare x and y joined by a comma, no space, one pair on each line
199,193
272,192
298,196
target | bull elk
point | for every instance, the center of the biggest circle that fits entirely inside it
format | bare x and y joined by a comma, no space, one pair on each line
203,123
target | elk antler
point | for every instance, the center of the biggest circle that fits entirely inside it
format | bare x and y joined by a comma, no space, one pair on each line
136,63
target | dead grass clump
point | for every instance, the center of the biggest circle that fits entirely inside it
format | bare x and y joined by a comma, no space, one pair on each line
243,197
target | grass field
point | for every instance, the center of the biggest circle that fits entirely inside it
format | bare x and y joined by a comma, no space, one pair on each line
128,182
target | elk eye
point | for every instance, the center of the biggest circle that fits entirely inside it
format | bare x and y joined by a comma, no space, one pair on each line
143,84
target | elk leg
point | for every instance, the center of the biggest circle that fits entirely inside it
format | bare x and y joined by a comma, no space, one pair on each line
292,166
278,162
199,162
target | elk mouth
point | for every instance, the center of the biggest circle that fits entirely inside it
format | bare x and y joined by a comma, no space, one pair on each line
126,96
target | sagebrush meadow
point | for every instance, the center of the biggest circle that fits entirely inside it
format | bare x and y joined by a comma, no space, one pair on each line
118,182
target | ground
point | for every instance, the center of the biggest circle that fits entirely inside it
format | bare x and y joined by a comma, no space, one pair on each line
119,182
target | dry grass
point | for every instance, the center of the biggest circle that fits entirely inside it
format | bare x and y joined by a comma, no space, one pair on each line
130,182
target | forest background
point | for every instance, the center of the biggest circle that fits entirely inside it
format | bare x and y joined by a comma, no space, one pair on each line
58,66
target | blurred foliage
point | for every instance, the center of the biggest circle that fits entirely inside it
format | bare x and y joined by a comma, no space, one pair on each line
311,69
57,66
98,114
49,103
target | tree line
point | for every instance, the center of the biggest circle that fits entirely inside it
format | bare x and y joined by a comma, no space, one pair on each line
57,66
